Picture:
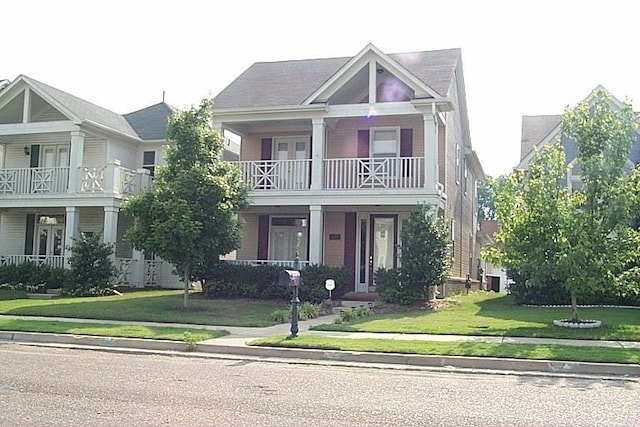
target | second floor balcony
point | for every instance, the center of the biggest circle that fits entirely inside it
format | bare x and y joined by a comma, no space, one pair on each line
110,179
337,174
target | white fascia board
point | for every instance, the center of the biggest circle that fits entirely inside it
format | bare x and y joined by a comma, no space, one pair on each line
382,197
269,113
37,127
109,130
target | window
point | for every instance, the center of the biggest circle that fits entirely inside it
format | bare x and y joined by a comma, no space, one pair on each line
384,148
149,161
457,163
465,182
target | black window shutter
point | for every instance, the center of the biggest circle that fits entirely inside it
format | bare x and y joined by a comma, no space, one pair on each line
30,230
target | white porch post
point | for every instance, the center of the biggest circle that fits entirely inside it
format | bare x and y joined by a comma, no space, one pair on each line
111,226
70,231
316,231
430,151
75,161
317,154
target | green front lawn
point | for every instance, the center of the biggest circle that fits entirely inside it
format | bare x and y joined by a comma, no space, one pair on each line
475,349
150,306
105,330
489,313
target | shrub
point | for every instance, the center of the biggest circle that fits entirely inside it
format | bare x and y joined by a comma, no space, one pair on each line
30,276
390,288
226,280
281,316
308,310
91,270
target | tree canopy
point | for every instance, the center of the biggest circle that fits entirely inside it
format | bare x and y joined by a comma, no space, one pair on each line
583,239
190,216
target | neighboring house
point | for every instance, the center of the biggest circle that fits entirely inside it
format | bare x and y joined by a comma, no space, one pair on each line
339,151
494,278
537,131
66,167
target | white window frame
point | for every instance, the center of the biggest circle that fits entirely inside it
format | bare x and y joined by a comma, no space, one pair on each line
151,167
372,140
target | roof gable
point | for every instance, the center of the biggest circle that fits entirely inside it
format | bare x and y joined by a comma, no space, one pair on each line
69,106
296,83
538,131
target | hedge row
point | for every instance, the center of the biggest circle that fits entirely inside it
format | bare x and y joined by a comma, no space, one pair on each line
225,280
32,275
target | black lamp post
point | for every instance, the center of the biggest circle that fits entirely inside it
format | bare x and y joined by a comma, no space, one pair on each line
295,300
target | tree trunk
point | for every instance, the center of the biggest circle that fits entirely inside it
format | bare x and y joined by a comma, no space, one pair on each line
574,307
187,279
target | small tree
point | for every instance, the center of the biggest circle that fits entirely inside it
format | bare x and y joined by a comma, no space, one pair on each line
90,268
426,253
191,215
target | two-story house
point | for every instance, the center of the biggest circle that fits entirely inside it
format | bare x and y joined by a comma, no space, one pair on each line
66,167
339,151
537,131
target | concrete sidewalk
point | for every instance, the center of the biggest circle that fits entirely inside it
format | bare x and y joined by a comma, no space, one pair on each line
236,344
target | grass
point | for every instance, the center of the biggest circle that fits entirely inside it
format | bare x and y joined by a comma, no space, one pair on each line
517,351
488,313
105,330
151,306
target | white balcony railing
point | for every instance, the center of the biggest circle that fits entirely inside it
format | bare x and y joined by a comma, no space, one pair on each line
339,174
383,172
277,174
110,179
34,180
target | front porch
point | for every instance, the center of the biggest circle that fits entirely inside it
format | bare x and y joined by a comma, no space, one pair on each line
130,271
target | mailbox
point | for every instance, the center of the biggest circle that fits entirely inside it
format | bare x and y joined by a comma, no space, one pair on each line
290,278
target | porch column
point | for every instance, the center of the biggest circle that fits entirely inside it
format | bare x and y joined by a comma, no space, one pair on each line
75,161
110,226
316,231
430,151
317,153
70,231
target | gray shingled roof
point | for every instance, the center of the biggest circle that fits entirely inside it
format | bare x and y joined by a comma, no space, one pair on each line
84,110
271,84
151,122
534,129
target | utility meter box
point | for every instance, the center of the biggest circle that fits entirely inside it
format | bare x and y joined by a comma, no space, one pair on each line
290,278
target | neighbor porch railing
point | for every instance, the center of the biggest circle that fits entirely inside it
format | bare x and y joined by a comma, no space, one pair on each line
56,261
110,179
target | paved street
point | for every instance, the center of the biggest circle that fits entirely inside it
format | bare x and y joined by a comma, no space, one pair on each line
63,387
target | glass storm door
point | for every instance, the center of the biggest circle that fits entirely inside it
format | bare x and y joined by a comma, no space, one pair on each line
377,242
291,175
288,236
50,240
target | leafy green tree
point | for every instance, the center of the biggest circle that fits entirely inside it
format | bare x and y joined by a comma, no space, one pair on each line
532,207
426,253
600,241
584,240
90,268
190,217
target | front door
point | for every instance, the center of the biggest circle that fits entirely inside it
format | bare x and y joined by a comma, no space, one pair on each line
50,240
291,174
377,247
288,238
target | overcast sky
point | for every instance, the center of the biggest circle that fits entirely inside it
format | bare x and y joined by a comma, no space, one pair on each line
519,58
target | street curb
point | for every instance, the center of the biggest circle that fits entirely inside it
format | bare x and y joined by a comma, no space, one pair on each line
415,360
